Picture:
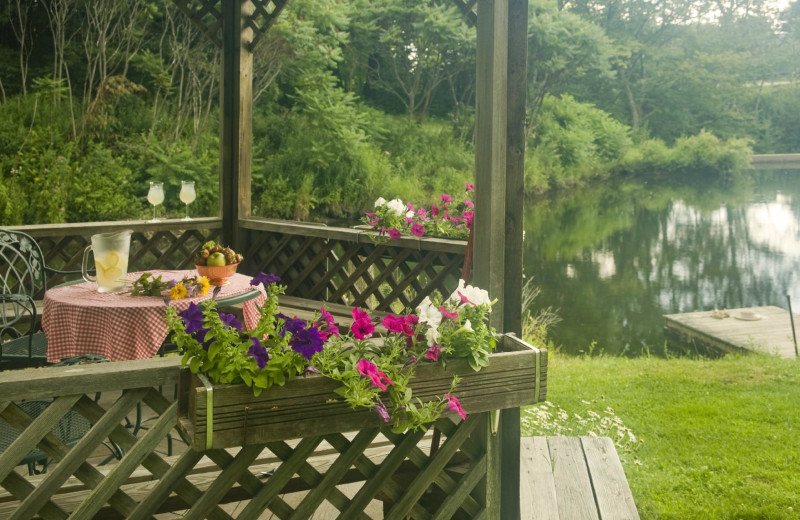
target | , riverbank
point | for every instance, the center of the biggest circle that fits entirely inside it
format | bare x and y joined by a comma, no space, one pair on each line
716,439
775,161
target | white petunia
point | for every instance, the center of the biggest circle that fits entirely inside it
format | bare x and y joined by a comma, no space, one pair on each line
455,297
429,314
432,335
471,293
380,202
396,206
476,295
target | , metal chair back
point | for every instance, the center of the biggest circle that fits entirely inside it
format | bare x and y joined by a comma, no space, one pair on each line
22,275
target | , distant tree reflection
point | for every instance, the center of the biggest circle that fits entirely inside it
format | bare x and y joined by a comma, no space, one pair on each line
613,259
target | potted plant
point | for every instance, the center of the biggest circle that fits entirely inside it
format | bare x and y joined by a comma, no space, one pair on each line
290,378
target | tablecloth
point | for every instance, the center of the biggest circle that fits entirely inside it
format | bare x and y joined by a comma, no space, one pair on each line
79,320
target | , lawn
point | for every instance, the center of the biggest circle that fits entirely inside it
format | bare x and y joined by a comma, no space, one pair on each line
713,438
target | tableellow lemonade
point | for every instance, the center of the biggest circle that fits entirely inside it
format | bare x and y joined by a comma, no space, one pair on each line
110,268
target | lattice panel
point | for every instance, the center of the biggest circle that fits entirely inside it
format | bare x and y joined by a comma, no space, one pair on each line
207,16
77,465
396,473
469,9
264,15
377,276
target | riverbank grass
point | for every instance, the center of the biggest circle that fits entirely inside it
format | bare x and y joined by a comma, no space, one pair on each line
711,439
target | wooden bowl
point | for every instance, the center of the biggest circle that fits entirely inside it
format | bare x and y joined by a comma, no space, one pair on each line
217,274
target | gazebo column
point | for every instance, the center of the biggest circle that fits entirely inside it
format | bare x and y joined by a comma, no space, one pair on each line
236,118
490,192
499,179
514,211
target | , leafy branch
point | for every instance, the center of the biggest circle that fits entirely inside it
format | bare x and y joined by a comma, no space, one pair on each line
375,372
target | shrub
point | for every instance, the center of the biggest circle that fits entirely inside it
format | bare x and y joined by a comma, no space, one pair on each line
102,188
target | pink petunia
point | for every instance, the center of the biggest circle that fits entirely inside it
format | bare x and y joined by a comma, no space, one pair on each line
446,199
417,229
374,221
454,404
409,206
469,186
433,353
468,216
469,203
362,327
393,323
370,214
409,323
434,211
395,233
330,324
464,299
377,378
422,212
448,314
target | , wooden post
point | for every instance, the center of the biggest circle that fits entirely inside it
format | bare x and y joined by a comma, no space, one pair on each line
490,193
514,211
236,114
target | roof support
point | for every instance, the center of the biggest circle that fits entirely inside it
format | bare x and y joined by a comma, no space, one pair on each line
499,181
488,253
236,118
514,211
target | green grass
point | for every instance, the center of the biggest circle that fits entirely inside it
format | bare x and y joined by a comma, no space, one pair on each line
717,438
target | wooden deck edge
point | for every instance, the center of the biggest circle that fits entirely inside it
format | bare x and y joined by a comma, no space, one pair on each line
690,335
563,478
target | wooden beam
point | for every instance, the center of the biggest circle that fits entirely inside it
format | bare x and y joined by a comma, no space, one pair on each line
514,211
490,194
236,89
490,152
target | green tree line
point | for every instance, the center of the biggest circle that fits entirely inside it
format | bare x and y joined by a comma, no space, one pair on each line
355,99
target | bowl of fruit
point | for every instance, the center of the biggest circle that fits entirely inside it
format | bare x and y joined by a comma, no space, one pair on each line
216,262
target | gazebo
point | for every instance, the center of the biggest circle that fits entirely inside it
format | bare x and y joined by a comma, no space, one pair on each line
338,265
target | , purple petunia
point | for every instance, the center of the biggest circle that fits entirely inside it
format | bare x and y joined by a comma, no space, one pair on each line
230,320
307,342
417,229
200,336
293,325
192,317
259,353
395,233
382,412
265,278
